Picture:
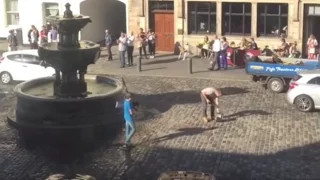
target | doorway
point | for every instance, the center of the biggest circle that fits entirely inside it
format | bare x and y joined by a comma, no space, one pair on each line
161,21
164,28
105,14
312,24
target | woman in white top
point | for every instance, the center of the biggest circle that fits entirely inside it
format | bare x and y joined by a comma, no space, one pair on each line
130,48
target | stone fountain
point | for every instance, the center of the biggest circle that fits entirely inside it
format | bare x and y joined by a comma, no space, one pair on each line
71,108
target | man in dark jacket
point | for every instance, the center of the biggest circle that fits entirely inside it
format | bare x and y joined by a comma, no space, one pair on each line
12,41
108,41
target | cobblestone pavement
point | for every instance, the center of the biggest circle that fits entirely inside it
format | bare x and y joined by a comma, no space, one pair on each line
262,137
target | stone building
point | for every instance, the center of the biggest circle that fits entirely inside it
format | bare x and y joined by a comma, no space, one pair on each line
190,20
105,14
179,21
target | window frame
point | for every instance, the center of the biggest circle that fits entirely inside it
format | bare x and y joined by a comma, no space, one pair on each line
229,14
11,12
13,59
265,14
36,60
195,12
314,79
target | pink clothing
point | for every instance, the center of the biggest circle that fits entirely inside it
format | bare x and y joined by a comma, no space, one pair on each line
312,44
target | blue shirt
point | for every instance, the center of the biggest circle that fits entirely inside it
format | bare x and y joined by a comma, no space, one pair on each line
127,106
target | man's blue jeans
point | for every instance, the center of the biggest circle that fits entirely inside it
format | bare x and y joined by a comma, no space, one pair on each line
130,130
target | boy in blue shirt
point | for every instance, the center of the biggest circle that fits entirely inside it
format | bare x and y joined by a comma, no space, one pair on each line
128,117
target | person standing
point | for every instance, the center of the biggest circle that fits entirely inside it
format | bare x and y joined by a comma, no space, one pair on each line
12,41
108,41
223,53
209,96
312,44
142,43
122,42
53,35
130,48
128,117
152,43
33,37
43,35
216,48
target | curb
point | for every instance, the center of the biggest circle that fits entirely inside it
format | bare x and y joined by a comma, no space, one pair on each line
170,76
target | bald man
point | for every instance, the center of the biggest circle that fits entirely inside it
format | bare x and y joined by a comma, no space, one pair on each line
209,96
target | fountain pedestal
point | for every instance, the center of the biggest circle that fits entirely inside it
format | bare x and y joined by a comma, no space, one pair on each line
70,116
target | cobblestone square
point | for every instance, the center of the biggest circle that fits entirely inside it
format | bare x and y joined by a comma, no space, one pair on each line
261,138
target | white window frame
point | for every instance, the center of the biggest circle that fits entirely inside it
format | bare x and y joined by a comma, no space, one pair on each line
9,12
46,7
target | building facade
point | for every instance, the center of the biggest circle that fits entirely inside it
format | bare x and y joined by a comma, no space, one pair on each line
177,21
188,21
105,14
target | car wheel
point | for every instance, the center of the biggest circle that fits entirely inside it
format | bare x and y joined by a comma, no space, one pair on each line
276,85
6,78
304,103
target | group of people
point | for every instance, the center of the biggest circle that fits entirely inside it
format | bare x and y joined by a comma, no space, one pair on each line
216,51
34,36
285,49
44,35
126,43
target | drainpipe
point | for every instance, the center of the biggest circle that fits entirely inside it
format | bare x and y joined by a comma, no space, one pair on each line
181,13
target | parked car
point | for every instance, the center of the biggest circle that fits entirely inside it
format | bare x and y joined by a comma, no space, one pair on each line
22,66
304,91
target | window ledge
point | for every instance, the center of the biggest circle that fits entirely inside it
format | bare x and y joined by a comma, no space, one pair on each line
269,37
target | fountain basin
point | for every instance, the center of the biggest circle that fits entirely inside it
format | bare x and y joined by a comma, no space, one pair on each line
40,115
75,58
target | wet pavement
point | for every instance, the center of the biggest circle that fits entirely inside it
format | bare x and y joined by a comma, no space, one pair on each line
261,137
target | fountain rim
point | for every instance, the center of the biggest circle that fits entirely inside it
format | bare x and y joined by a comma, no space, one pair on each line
75,17
18,90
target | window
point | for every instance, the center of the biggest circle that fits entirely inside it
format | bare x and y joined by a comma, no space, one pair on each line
51,9
31,59
236,18
202,17
15,57
272,19
12,12
315,80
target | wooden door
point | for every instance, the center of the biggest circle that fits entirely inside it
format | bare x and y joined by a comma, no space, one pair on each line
164,29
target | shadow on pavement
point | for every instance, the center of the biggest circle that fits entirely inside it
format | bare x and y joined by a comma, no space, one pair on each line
160,61
147,163
285,164
182,132
240,114
150,69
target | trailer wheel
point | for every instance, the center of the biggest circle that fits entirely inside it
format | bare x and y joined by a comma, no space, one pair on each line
276,85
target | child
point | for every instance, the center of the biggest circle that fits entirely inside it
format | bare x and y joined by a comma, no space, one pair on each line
128,117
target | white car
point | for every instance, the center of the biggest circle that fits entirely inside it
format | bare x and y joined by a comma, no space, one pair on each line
22,66
304,90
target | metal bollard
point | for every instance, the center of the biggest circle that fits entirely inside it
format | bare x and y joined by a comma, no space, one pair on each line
139,64
190,65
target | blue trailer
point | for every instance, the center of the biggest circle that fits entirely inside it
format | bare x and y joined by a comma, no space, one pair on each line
276,77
